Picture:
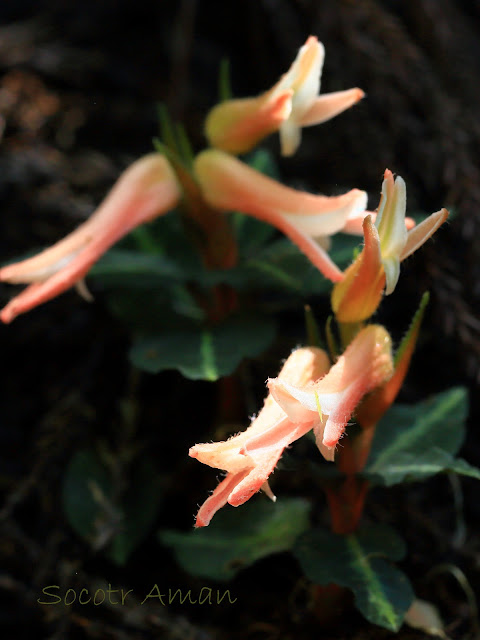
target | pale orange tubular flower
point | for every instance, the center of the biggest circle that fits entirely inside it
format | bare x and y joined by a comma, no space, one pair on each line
147,189
327,405
229,184
396,241
250,457
387,243
358,295
354,224
293,102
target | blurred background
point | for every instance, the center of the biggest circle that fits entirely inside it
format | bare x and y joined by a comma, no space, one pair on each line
79,87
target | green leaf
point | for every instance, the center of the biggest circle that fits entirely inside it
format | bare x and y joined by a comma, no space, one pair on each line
409,467
184,145
236,538
127,268
343,249
204,353
360,562
312,330
148,313
102,515
224,83
263,160
139,507
167,128
251,234
86,478
281,265
408,432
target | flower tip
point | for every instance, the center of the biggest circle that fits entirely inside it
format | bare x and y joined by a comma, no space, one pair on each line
199,522
367,223
409,223
312,43
359,94
7,315
193,452
332,441
388,175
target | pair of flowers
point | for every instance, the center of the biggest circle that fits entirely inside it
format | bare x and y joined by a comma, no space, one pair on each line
151,187
307,394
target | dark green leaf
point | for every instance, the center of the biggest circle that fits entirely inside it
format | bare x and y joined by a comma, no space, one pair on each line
204,353
409,467
127,268
224,84
101,514
282,266
407,432
251,234
149,313
139,506
184,145
236,538
360,562
312,330
343,247
263,160
167,128
85,481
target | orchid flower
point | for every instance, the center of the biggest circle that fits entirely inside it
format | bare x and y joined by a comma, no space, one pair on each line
147,189
229,184
387,243
237,126
327,405
250,457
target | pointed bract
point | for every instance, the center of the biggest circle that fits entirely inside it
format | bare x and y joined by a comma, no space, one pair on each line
237,126
147,189
229,184
377,404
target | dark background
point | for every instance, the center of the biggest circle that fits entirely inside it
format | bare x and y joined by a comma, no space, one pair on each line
79,86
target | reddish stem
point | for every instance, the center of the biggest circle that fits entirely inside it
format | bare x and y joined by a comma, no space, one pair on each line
346,503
